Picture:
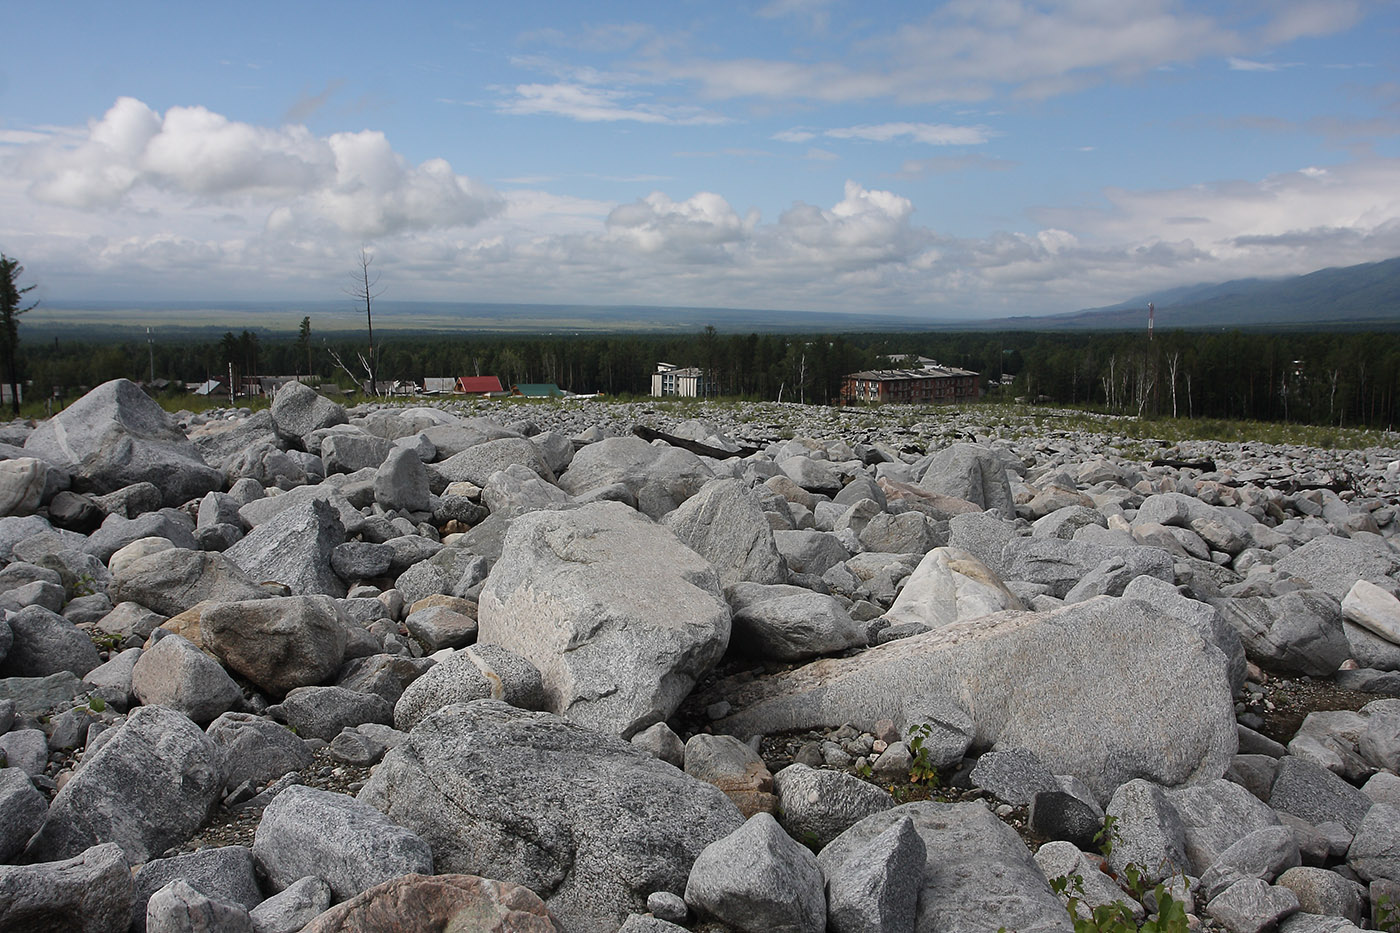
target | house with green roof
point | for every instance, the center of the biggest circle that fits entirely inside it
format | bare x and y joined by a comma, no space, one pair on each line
537,390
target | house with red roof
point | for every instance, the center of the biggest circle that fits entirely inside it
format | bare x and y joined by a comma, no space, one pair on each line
479,385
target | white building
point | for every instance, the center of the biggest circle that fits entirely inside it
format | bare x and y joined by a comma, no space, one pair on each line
670,379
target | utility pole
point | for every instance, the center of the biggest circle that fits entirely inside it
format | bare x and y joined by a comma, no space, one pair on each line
152,349
231,394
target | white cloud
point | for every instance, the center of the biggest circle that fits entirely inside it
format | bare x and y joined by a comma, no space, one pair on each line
932,134
349,183
795,136
596,104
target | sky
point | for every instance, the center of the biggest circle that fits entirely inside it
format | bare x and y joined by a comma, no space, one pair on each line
967,159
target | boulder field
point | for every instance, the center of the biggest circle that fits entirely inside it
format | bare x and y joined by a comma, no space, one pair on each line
878,670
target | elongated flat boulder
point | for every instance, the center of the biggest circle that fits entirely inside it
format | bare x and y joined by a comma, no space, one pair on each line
1107,690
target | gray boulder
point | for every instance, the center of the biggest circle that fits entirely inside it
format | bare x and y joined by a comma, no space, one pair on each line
297,410
820,804
438,627
452,571
290,910
1252,906
809,551
660,478
478,462
876,889
294,548
1262,854
44,643
1105,690
597,826
1059,564
1013,775
1325,893
1310,792
348,452
280,643
967,471
175,673
1150,833
401,482
256,749
173,580
22,810
117,435
149,786
724,524
179,907
1333,564
322,712
1214,816
88,893
22,482
1373,608
789,623
1375,852
1299,632
758,880
117,532
478,673
977,874
620,618
228,873
348,844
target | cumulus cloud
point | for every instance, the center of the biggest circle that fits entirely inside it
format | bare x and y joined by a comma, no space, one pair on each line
348,183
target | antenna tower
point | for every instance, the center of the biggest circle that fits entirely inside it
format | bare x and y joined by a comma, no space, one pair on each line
1151,312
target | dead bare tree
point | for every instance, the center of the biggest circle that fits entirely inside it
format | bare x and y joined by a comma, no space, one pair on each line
365,289
1173,362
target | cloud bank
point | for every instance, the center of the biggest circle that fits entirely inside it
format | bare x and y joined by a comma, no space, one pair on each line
190,203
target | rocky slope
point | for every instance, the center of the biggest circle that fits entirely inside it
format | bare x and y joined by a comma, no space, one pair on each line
516,668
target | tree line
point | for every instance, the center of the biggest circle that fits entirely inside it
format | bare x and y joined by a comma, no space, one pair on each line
1324,378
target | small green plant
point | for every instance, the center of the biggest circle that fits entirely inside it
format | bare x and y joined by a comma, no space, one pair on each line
1386,916
921,770
85,586
1107,836
864,770
97,704
1117,917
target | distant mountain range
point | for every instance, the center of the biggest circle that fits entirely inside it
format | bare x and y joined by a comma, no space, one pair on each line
1364,297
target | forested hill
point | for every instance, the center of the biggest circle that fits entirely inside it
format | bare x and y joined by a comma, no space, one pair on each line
1364,297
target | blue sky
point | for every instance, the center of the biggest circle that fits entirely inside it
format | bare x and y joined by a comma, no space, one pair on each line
965,159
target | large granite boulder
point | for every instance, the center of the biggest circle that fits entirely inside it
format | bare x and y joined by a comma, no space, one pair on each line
586,820
279,644
88,893
149,786
22,482
175,673
477,463
294,548
1107,690
724,524
117,435
790,623
172,580
978,875
620,617
660,478
298,410
970,472
344,842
